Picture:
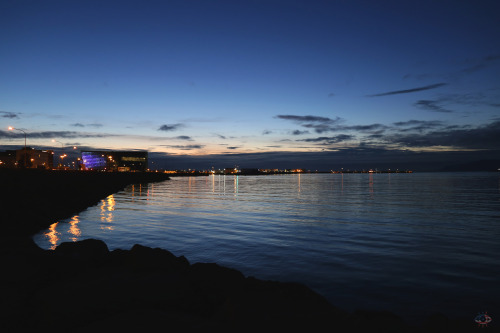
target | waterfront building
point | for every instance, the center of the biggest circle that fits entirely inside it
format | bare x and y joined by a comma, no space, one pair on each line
115,160
27,157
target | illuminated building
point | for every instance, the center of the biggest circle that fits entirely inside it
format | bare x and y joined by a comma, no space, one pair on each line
115,160
39,159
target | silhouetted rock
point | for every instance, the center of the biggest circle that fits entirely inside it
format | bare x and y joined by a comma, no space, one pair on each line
89,249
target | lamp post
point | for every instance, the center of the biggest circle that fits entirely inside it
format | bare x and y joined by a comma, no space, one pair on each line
62,150
25,152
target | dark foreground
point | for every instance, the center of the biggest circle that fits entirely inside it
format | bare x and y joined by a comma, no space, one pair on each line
83,286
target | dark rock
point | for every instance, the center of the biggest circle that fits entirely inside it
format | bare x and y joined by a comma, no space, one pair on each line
214,275
88,249
379,321
142,258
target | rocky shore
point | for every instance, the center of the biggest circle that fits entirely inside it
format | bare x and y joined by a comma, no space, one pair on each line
84,287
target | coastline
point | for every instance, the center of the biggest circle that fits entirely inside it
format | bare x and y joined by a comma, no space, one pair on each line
84,286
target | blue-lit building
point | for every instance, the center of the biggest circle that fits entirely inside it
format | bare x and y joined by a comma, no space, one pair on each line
115,160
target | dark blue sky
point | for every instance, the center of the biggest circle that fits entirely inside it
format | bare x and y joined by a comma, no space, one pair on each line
202,83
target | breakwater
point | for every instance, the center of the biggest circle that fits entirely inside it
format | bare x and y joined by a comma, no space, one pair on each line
34,199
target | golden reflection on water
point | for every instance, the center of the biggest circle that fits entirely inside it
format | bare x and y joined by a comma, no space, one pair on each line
107,208
298,183
52,235
236,184
74,229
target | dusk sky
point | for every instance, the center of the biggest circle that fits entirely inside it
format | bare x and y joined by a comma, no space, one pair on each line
254,83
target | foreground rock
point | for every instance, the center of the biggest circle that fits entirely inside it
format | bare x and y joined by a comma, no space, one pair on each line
84,287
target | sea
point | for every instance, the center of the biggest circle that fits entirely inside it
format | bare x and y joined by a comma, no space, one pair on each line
411,243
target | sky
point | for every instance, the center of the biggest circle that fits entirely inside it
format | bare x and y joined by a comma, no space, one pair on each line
201,84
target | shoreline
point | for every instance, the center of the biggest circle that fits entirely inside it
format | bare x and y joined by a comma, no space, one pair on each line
85,283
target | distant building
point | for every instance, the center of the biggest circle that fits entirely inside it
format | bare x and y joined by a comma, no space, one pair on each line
115,160
29,158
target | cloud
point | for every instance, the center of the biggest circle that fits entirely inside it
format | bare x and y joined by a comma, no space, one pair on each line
220,136
459,137
414,122
10,115
168,128
184,137
86,125
52,134
297,132
330,139
417,125
232,148
429,105
266,132
482,63
302,119
362,128
318,124
186,147
319,128
407,91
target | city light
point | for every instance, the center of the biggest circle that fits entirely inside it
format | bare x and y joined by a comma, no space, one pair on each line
17,129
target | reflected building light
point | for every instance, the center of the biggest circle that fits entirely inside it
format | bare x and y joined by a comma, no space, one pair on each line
53,235
74,229
236,184
298,181
107,208
111,203
213,182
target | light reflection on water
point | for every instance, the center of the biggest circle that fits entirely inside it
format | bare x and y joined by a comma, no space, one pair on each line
386,241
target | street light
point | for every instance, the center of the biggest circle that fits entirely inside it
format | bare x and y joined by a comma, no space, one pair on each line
62,150
25,151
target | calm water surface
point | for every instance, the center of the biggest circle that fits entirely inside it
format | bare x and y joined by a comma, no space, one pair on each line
409,243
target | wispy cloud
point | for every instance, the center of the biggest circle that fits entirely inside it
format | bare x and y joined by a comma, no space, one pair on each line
482,63
52,134
298,132
303,119
462,137
417,125
186,147
220,136
407,91
362,128
429,105
317,123
330,139
10,115
95,125
184,137
168,128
